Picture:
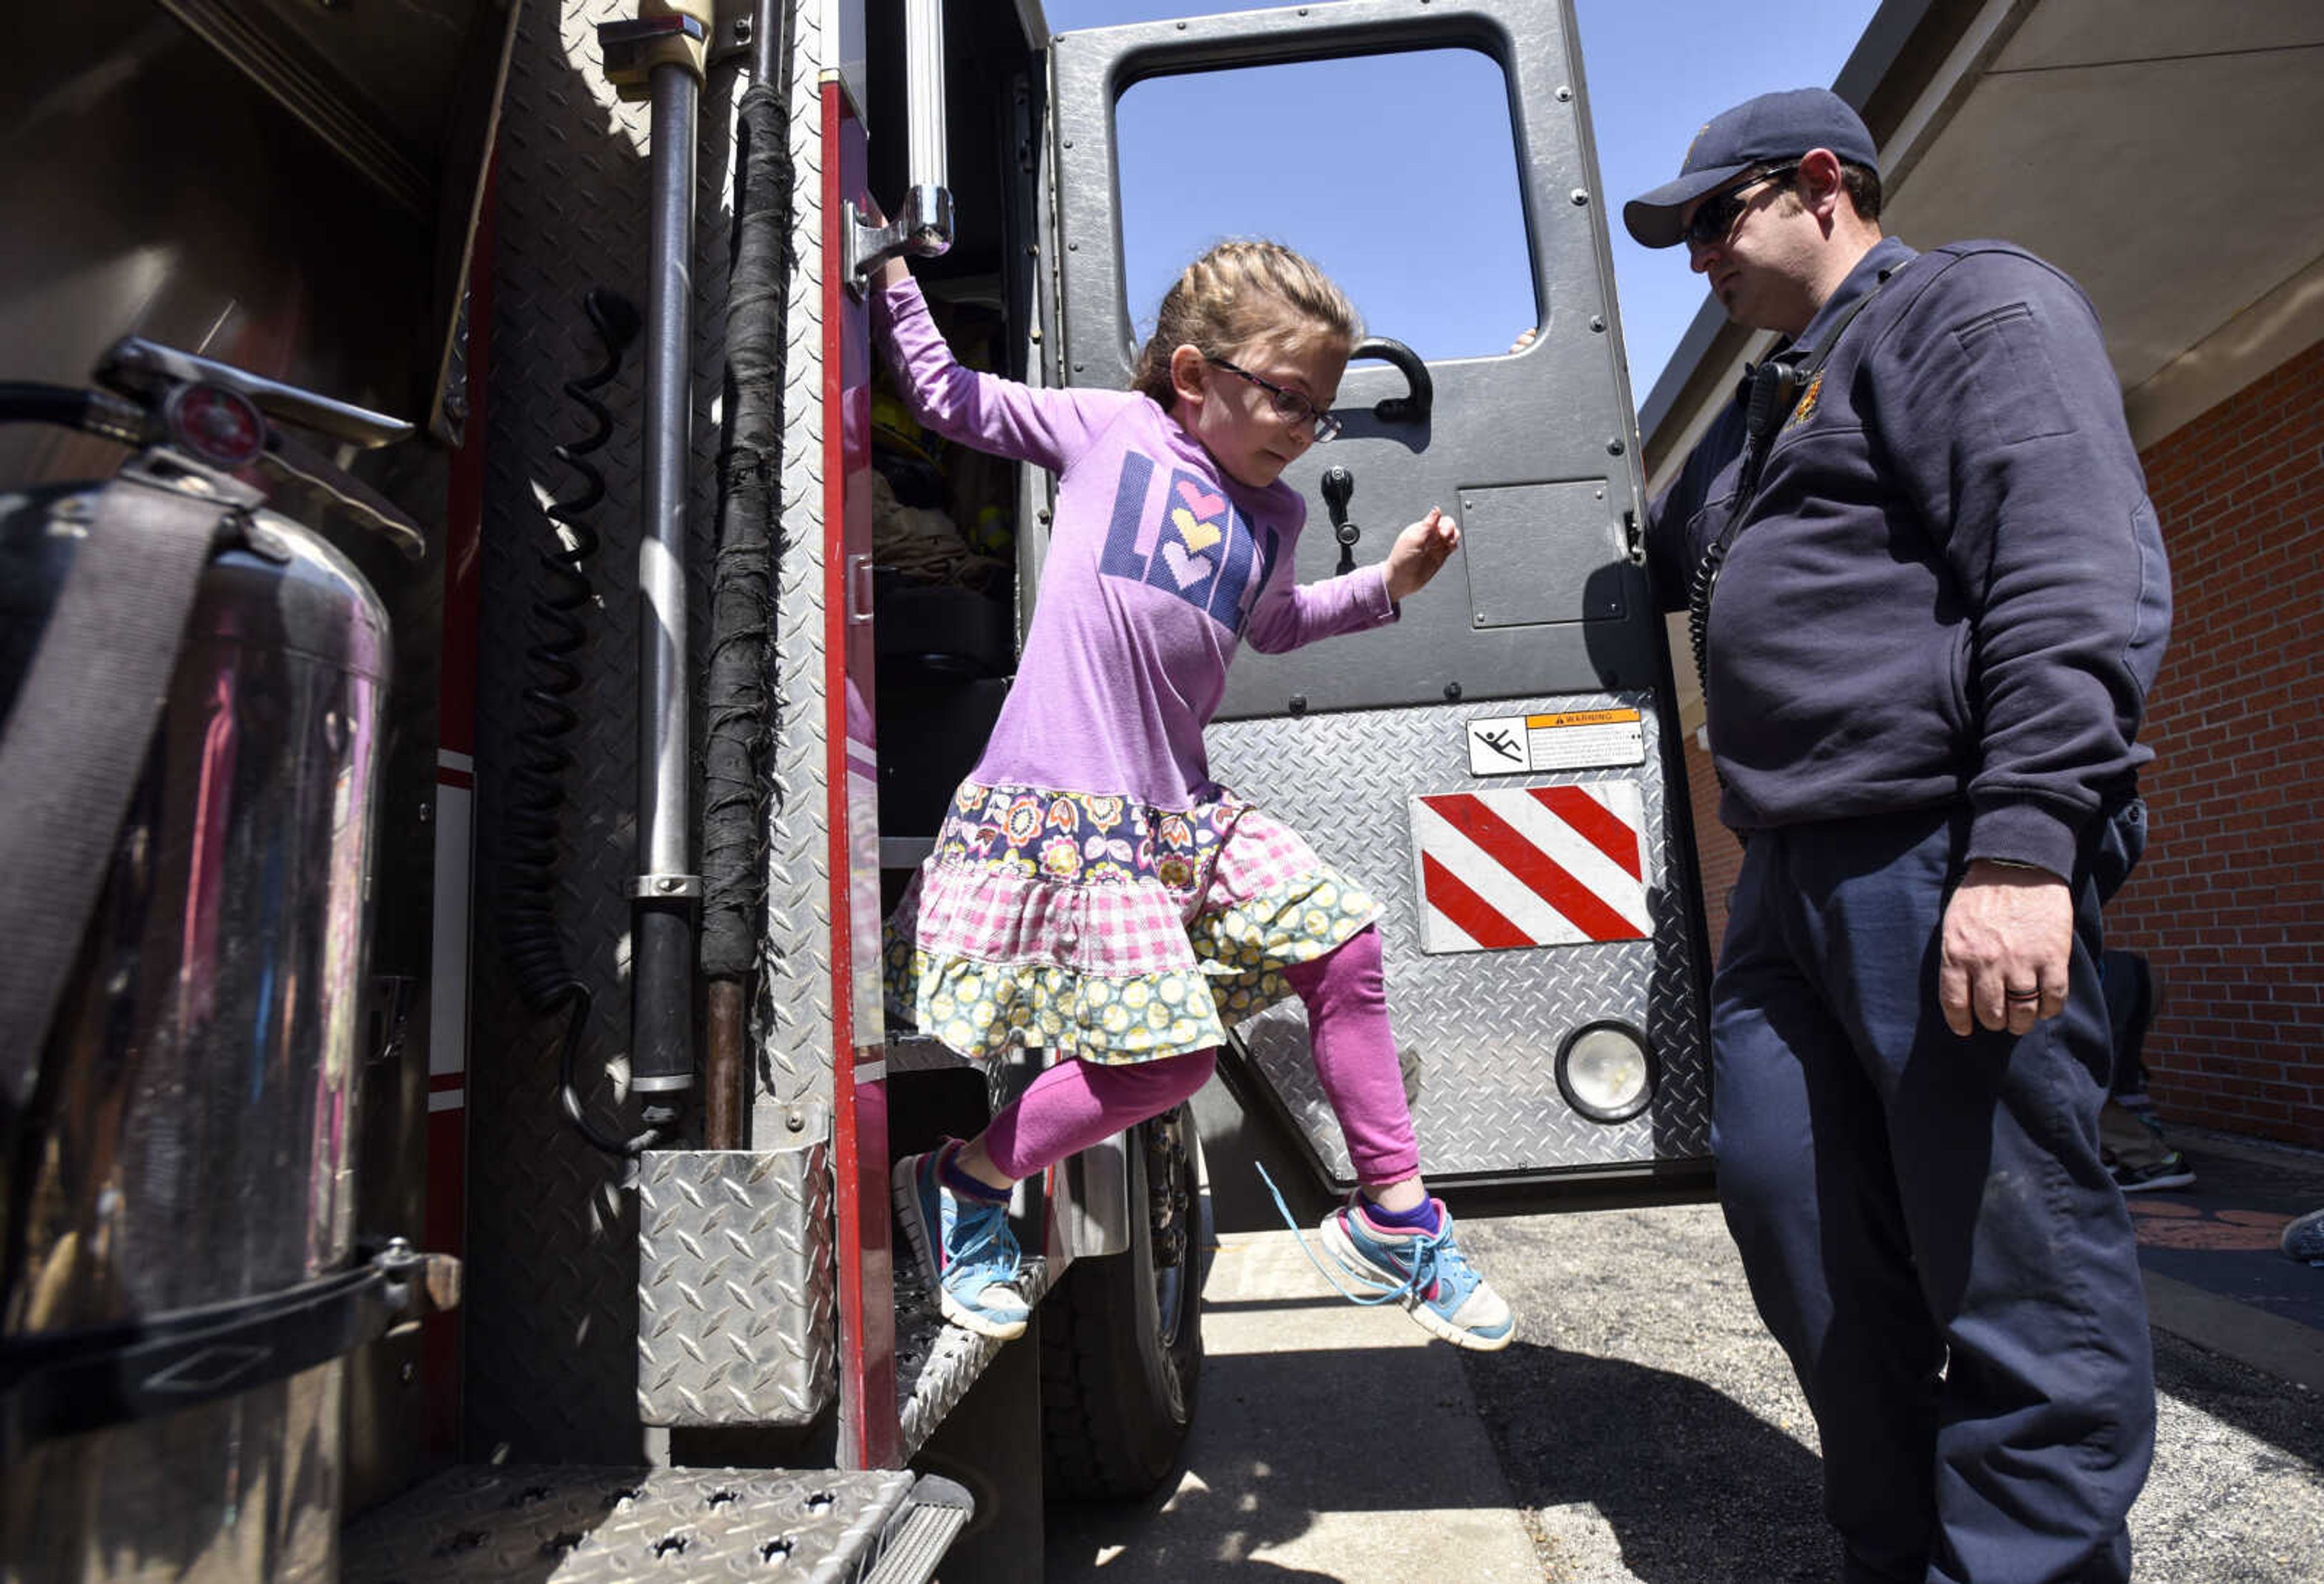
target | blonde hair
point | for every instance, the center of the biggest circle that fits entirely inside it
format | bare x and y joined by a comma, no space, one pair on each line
1237,296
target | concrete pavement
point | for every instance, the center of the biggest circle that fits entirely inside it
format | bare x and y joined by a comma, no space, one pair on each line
1657,1434
1332,1442
1644,1430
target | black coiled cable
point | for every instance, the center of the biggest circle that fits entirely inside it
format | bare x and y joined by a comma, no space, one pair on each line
528,888
1700,588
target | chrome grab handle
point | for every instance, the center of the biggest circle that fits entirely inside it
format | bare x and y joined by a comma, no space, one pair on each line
922,225
923,84
145,369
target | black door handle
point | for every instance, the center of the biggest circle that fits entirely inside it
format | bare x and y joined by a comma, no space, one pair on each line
1339,485
1413,407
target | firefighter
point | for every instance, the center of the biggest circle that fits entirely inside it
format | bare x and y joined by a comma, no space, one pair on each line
1929,596
1093,892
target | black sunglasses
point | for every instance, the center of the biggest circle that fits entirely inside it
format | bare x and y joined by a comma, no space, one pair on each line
1716,215
1289,405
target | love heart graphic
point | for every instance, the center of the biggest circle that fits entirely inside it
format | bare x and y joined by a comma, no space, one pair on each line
1199,536
1189,570
1204,505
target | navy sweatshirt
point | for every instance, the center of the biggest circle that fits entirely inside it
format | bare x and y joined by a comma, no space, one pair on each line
1949,584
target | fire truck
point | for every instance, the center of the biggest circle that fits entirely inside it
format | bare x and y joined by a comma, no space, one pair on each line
467,717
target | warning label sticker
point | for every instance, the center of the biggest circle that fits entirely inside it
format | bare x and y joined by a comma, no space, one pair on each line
1576,740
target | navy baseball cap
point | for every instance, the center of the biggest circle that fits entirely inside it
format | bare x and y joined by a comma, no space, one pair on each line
1772,127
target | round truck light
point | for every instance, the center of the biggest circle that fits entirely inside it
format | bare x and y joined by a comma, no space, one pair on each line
1605,1071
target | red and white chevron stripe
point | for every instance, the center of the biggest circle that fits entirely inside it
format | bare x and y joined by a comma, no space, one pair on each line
1531,866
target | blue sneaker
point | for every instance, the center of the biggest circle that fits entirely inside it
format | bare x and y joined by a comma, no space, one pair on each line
2303,1237
965,1247
1425,1272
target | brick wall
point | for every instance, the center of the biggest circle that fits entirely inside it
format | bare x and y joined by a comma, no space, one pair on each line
2229,904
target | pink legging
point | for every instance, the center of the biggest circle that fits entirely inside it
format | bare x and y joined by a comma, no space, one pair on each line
1074,1104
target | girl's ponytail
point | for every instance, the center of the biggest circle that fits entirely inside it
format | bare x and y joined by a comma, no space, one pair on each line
1237,296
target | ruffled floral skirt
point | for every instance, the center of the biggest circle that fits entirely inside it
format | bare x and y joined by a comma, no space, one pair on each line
1106,929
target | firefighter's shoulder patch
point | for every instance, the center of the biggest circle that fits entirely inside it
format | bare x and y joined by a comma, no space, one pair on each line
1807,403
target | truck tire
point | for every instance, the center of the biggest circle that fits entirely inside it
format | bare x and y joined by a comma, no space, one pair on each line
1121,1337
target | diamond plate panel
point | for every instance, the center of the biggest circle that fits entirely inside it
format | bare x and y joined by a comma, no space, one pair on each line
737,1322
1485,1025
792,1015
552,1318
572,1526
936,1361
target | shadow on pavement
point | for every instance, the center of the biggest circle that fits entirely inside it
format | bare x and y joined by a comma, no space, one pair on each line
1696,1488
2249,1399
1112,1541
1285,1441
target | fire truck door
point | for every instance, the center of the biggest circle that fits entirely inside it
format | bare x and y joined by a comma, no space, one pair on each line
1501,769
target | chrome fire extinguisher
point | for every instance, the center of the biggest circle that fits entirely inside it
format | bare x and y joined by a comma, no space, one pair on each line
192,680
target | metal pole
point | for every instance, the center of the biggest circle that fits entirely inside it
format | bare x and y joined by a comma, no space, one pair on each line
662,943
771,45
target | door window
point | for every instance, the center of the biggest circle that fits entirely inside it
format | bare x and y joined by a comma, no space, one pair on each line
1397,173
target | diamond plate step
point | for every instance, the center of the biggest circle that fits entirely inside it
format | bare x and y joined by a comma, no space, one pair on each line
940,1510
936,1361
557,1524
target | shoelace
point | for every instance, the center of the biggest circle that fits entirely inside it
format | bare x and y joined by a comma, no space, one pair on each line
1387,1292
980,1247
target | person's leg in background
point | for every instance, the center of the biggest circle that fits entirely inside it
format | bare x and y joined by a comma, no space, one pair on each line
2136,1152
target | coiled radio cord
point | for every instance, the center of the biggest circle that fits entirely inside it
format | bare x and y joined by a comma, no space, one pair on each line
528,867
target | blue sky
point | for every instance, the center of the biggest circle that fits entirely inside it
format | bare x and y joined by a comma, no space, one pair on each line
1398,173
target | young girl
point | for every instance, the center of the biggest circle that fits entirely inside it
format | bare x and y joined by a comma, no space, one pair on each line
1092,890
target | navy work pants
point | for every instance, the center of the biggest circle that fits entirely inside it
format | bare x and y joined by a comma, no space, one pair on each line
1925,1223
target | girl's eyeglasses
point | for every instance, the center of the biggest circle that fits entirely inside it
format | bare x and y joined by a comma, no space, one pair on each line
1716,215
1290,406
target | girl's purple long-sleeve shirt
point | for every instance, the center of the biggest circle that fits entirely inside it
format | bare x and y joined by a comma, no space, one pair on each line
1158,566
